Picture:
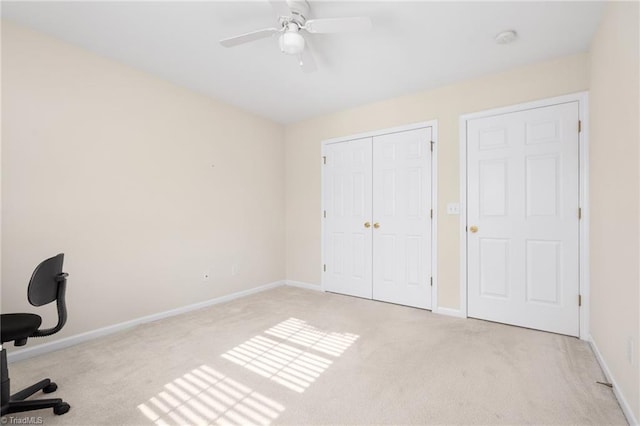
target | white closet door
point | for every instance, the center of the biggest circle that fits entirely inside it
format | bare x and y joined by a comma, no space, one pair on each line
347,240
523,265
401,216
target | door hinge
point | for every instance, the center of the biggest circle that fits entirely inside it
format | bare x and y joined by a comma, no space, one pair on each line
324,159
579,126
324,267
432,143
324,214
579,213
579,300
431,281
431,213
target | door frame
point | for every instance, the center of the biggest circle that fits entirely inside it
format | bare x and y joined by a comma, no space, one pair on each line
583,195
433,124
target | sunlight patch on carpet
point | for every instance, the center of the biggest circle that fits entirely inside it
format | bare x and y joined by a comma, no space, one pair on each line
292,364
204,396
298,331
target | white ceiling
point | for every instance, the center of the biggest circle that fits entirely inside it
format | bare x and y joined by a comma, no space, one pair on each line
413,46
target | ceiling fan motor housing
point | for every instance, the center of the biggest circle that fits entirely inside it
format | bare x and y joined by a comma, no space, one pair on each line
299,11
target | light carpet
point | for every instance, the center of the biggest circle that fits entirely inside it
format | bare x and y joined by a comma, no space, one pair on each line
294,356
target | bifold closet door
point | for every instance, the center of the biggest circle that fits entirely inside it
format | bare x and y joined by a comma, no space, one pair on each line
347,226
401,218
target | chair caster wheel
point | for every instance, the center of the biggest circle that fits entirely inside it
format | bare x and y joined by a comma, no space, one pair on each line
61,408
51,387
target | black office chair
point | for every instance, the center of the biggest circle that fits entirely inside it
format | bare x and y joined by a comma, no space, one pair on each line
48,283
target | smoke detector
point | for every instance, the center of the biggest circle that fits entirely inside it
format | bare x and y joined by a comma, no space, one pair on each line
506,37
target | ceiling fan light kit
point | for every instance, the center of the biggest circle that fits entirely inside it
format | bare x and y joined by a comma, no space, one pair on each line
291,42
292,20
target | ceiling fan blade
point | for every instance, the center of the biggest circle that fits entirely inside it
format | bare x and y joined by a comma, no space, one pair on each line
337,25
280,7
307,62
245,38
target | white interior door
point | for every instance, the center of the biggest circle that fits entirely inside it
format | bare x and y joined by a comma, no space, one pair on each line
522,217
347,226
401,216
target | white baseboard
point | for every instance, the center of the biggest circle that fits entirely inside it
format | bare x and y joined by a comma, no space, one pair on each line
626,409
448,311
301,284
104,331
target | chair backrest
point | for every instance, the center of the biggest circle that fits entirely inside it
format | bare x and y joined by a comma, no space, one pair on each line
43,286
49,283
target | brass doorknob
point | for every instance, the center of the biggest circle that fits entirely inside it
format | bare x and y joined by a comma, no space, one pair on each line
367,225
473,229
376,225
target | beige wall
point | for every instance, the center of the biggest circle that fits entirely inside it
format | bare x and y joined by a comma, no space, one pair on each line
558,77
615,195
143,185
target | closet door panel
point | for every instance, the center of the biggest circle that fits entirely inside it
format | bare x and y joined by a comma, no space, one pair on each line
347,203
401,197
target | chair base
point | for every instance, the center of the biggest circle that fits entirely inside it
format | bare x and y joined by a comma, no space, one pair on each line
16,403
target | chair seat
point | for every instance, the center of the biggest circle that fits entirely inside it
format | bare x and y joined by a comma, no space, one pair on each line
18,326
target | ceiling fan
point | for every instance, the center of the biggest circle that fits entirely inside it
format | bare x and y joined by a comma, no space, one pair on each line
292,22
